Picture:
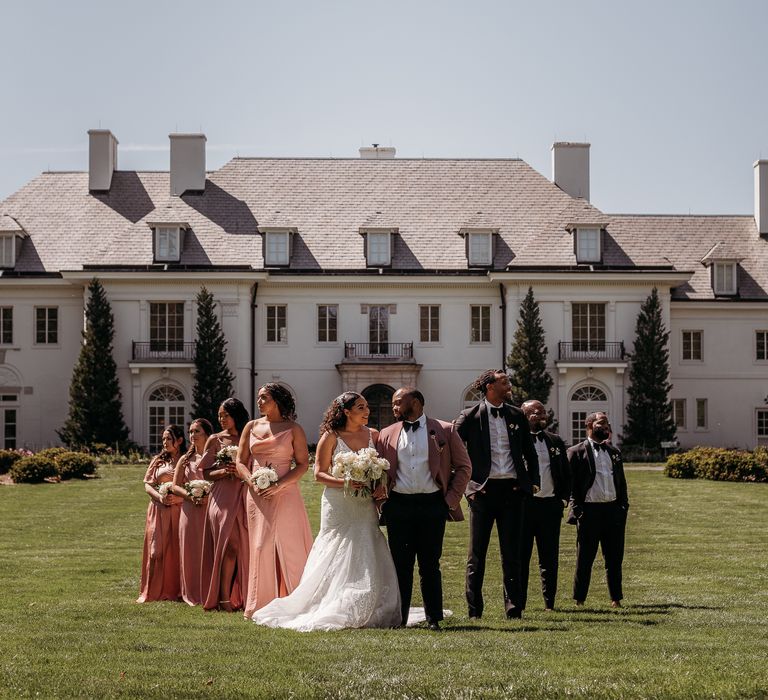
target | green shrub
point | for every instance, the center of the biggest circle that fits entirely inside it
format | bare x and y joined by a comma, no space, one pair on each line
7,459
33,470
719,464
51,452
75,465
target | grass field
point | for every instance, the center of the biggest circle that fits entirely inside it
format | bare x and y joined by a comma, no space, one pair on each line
695,622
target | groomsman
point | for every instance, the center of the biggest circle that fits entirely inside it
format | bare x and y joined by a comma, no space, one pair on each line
598,508
544,512
504,471
429,470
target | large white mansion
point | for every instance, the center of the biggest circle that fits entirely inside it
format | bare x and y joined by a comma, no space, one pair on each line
368,273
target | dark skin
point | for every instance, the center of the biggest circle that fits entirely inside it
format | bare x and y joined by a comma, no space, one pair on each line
536,415
600,429
406,407
499,391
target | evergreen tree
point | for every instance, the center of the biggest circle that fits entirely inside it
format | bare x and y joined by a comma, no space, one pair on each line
649,411
527,360
213,379
95,405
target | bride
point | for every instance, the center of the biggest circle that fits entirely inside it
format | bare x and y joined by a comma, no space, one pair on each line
349,579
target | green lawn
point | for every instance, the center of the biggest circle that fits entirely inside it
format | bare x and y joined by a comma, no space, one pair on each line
695,622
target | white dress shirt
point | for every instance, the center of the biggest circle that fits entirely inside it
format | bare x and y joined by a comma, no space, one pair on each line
545,469
502,466
603,490
413,475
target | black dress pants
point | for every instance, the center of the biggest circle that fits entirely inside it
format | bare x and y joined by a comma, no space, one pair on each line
415,530
600,524
502,503
541,522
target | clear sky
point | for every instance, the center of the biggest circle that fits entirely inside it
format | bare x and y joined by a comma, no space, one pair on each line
673,95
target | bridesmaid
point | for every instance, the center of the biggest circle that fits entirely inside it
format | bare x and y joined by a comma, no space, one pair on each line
278,527
224,574
192,518
160,560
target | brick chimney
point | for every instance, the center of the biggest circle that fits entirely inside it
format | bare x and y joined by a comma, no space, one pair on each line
761,196
570,168
102,159
187,163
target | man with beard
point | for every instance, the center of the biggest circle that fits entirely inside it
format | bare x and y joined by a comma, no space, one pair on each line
598,507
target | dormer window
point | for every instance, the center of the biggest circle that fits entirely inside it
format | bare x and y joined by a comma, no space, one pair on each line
724,278
479,246
378,247
277,247
588,245
167,243
7,250
723,259
11,235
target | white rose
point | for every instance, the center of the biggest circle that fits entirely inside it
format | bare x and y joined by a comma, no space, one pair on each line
262,481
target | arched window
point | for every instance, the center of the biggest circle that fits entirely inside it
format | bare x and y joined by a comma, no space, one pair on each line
379,398
166,406
589,393
471,397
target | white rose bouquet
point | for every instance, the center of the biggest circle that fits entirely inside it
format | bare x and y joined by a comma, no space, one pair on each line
364,466
227,455
263,477
198,489
165,488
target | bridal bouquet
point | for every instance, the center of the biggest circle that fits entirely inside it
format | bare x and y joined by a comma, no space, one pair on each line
198,489
263,477
364,466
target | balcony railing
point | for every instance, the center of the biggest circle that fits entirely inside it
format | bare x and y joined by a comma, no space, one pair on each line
163,352
591,352
378,352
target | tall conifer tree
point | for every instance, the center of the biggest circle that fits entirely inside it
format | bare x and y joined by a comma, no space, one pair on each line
95,405
213,378
649,411
527,360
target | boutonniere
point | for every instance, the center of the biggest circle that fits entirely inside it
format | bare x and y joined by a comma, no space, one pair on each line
513,427
554,451
440,444
615,458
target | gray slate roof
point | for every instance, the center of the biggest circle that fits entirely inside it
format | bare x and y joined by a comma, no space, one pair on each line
328,201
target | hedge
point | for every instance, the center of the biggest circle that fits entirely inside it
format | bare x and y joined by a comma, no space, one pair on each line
719,464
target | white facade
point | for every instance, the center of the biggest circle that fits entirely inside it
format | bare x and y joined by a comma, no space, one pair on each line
326,322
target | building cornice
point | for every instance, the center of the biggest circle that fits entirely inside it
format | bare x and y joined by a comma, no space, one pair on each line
672,278
375,280
719,304
162,276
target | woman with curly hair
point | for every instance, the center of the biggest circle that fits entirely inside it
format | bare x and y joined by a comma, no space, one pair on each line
160,561
224,571
278,527
349,579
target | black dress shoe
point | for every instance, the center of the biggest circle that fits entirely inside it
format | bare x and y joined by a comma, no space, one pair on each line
434,626
515,614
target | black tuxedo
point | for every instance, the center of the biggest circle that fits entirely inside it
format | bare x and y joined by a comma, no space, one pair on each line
499,501
541,522
600,524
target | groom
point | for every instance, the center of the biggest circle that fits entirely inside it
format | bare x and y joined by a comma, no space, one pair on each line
429,470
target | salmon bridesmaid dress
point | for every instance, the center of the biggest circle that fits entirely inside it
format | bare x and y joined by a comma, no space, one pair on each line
278,527
191,525
225,520
160,569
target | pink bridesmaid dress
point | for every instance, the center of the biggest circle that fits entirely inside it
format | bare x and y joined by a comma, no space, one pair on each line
278,527
225,521
160,578
191,525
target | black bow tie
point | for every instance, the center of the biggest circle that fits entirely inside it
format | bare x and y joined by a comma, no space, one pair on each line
539,436
496,412
599,446
408,425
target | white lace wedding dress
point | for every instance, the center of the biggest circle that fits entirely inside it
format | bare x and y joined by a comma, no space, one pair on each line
349,579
